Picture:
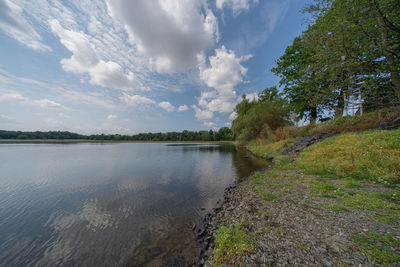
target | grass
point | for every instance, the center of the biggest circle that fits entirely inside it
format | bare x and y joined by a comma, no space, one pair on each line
380,249
335,207
341,125
385,210
231,243
371,155
264,149
325,190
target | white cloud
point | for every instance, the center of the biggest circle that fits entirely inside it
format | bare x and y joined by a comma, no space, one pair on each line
170,32
225,71
233,116
166,105
13,96
84,59
203,115
252,97
15,25
135,100
52,123
5,118
46,103
182,108
223,74
210,124
111,117
236,5
65,116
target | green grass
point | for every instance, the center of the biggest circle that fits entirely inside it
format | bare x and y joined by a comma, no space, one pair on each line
257,178
380,249
231,243
372,155
268,196
335,207
385,210
265,149
325,190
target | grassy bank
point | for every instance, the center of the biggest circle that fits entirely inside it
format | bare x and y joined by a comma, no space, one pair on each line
352,178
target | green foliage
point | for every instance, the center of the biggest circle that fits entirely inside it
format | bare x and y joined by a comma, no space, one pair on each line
231,243
372,155
259,118
265,149
351,45
223,134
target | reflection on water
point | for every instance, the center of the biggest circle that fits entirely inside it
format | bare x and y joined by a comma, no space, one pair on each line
109,204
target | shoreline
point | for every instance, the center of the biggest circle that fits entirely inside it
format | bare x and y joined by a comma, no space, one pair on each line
71,141
205,233
294,218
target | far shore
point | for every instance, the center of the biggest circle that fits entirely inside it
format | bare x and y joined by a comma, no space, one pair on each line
63,141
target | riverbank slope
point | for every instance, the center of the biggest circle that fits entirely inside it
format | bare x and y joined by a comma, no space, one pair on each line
334,204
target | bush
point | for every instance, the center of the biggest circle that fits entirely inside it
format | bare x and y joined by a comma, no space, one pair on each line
259,119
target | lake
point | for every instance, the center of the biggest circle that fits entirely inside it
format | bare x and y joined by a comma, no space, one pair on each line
110,204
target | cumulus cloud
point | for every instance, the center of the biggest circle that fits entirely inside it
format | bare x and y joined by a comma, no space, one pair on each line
236,5
233,116
166,105
111,117
84,59
210,124
14,24
252,97
203,115
224,72
183,108
170,32
138,100
135,100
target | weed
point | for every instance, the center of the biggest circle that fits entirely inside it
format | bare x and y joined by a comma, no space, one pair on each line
231,243
334,207
268,196
276,230
351,184
325,190
380,249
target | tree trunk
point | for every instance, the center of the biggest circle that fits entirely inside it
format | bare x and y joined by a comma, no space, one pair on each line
394,71
313,114
340,106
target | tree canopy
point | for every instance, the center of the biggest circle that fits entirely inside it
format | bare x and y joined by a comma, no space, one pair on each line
351,47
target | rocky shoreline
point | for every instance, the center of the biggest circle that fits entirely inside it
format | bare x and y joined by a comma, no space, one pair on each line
293,225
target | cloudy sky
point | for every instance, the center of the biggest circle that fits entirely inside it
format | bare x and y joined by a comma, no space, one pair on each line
130,66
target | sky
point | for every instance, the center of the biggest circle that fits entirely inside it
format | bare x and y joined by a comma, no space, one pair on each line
131,66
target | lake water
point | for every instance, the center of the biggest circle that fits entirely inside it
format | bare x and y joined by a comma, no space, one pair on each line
110,204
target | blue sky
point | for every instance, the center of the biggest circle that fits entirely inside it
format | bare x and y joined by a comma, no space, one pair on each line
122,66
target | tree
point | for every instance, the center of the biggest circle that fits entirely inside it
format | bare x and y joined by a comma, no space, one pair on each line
257,119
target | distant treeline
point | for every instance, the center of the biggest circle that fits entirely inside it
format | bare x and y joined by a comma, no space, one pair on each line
223,134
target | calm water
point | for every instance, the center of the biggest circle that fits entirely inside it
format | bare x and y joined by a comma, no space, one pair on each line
109,204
